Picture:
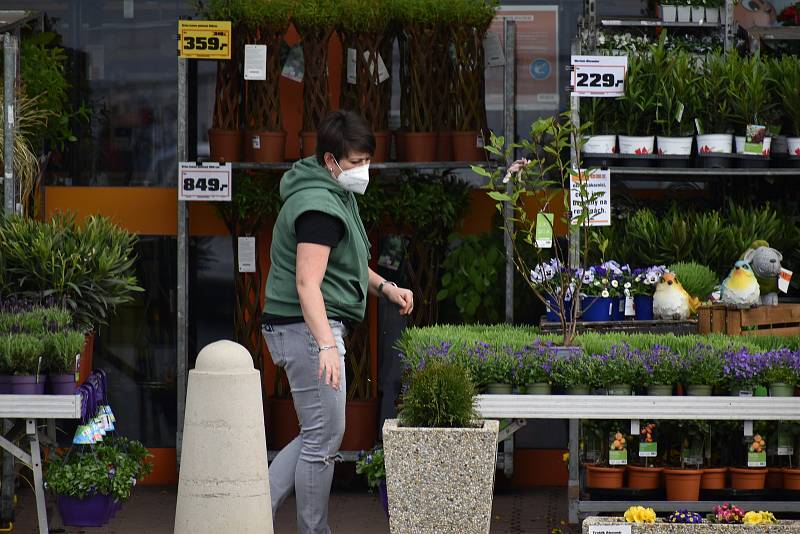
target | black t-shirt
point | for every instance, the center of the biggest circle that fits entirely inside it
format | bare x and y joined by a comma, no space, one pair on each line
311,227
319,228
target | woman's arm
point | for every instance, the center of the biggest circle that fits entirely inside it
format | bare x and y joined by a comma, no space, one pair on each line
401,296
312,261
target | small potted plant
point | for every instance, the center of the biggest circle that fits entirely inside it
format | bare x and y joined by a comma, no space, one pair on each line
437,417
609,472
643,286
646,476
62,353
683,479
80,482
371,464
715,112
703,369
576,372
500,367
780,369
637,111
663,368
24,353
597,294
743,372
785,80
751,103
533,371
753,475
677,102
601,140
714,10
620,370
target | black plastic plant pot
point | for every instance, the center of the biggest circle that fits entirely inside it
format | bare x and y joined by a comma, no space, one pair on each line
793,162
635,160
673,162
599,161
753,162
716,160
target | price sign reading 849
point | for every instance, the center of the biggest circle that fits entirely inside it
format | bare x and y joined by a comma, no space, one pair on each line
599,76
204,39
211,181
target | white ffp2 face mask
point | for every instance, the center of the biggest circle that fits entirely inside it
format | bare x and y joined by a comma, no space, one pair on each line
355,179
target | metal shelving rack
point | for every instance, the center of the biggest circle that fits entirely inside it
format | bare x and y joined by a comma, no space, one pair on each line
519,408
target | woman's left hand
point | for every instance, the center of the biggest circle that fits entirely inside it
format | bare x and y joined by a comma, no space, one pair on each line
401,296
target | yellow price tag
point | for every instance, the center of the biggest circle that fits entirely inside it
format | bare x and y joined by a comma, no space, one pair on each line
204,39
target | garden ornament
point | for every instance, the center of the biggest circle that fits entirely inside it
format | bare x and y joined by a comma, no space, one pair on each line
740,289
766,265
671,301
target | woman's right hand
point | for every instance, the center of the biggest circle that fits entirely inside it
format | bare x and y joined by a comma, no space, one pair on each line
329,366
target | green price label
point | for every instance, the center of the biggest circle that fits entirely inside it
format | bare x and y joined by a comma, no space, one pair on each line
648,450
618,457
544,230
757,459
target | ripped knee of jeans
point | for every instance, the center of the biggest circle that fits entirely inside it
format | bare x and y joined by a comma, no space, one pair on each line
324,460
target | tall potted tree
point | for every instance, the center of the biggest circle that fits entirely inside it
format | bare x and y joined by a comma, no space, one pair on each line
420,53
225,135
365,29
471,20
265,22
316,21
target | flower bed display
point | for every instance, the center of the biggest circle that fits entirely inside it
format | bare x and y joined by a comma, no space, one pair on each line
662,526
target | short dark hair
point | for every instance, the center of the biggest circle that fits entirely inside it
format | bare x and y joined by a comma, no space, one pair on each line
342,132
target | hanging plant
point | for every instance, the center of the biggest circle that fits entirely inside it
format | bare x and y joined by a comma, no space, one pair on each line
365,29
471,22
315,20
265,22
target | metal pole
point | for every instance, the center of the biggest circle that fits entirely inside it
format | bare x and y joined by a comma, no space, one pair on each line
728,26
9,101
183,258
509,122
575,117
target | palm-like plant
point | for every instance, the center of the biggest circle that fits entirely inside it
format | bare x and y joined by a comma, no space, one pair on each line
785,81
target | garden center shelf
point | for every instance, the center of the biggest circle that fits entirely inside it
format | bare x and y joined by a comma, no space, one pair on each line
400,165
519,408
698,174
647,23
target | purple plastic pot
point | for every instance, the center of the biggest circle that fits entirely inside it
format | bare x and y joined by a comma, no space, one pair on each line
89,512
27,384
5,384
384,496
63,384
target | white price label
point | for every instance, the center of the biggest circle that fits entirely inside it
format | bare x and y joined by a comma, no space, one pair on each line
247,254
785,451
609,529
599,76
255,62
211,181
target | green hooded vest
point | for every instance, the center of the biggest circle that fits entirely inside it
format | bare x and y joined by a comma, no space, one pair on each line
308,186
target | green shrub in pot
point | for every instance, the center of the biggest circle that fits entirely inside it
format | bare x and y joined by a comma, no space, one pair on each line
440,394
24,353
60,349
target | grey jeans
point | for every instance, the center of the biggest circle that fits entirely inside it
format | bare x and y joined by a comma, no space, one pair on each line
306,464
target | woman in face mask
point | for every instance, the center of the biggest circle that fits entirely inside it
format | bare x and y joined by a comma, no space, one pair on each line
316,288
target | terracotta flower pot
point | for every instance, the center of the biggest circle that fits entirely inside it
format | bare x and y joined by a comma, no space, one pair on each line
361,425
774,478
225,145
381,147
420,146
683,484
465,146
85,364
604,477
308,143
748,478
400,145
264,147
644,477
791,478
714,478
444,146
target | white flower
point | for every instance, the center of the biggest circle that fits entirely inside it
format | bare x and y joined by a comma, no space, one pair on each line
588,276
614,283
536,277
627,285
604,293
548,271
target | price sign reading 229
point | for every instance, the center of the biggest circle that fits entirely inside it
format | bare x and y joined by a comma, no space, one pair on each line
204,39
599,76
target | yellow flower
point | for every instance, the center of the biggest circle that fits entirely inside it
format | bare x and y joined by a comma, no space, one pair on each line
639,514
758,518
565,457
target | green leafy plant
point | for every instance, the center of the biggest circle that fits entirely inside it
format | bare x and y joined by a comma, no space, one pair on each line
676,86
704,365
440,394
372,465
785,81
24,353
470,275
716,109
749,91
60,350
698,280
637,108
77,475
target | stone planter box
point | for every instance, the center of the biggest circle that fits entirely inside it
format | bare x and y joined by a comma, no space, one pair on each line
440,479
781,527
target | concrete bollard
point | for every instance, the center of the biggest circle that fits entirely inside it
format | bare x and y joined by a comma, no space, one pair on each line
223,485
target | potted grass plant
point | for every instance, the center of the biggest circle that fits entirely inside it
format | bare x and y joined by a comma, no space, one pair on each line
24,353
471,20
316,22
437,418
265,22
601,140
751,103
637,111
715,113
676,82
366,27
62,354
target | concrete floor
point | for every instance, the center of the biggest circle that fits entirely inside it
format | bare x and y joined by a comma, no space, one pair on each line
152,511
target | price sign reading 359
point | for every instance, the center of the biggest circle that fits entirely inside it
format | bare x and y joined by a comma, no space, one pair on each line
599,76
211,181
204,39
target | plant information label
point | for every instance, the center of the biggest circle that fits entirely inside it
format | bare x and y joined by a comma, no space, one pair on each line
255,62
246,248
596,196
648,450
757,459
599,76
209,181
618,457
609,529
204,39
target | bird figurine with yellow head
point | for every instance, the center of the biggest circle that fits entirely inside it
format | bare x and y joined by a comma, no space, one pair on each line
740,289
671,301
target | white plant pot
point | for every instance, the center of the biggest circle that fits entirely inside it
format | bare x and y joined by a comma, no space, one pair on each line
669,13
794,145
638,145
698,14
712,15
684,13
675,146
440,479
599,144
716,143
740,146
